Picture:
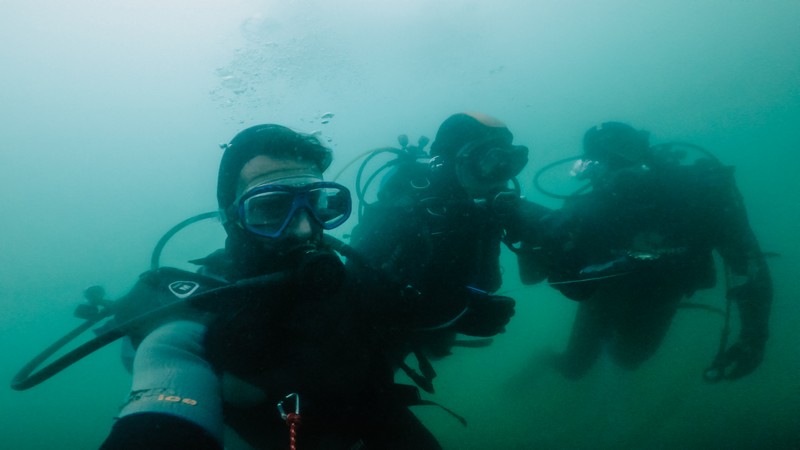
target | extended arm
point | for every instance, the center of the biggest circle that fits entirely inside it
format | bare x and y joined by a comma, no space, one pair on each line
175,400
748,284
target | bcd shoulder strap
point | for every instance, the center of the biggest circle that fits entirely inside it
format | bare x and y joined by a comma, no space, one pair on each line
158,288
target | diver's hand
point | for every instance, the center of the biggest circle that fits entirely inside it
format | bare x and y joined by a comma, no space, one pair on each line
742,358
486,315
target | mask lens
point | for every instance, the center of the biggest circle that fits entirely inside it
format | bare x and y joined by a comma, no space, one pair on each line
330,205
266,213
499,162
268,209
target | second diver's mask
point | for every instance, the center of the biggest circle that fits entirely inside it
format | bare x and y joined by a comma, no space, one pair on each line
267,209
492,160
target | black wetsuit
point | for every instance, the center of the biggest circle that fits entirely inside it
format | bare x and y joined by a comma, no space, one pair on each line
232,365
647,236
426,232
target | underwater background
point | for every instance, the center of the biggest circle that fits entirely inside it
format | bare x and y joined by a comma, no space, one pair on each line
112,112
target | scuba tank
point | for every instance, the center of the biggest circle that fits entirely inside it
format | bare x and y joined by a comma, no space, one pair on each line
405,154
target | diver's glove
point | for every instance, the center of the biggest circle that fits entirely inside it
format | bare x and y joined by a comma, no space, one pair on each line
486,315
753,294
740,359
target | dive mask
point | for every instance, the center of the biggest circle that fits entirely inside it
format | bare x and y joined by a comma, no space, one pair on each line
492,160
267,209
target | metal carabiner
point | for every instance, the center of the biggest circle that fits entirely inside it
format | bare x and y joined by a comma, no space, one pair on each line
282,411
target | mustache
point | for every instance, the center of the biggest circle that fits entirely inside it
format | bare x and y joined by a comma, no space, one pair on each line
285,248
293,245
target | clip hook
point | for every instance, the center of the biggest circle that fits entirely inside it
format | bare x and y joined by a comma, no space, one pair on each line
282,411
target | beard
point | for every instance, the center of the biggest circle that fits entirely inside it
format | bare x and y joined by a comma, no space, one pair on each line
253,255
312,265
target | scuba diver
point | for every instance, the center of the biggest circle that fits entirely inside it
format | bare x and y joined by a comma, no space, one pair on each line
438,223
639,240
274,318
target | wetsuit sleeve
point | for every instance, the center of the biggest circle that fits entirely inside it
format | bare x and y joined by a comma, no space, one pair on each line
526,231
749,281
175,392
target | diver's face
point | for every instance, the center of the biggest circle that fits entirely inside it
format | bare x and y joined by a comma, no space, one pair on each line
477,188
263,170
485,167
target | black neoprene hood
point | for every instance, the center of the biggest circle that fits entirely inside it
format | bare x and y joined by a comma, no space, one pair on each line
270,140
617,142
460,129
